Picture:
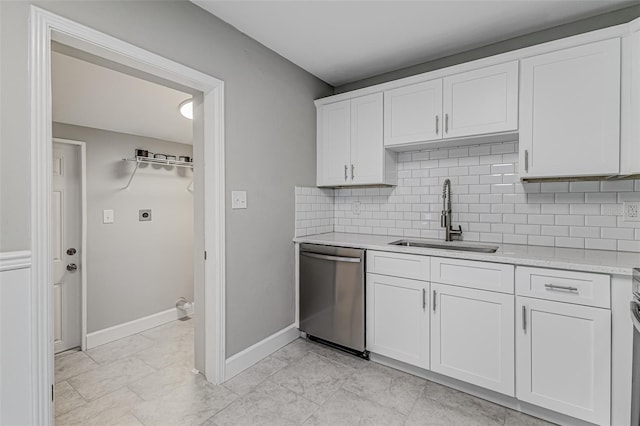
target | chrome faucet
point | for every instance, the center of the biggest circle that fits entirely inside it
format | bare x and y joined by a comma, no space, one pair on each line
445,216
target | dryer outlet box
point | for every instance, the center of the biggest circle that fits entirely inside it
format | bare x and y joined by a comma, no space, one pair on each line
144,215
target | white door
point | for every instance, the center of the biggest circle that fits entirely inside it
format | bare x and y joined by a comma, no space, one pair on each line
66,226
481,101
413,113
570,112
564,358
366,140
472,336
334,144
398,318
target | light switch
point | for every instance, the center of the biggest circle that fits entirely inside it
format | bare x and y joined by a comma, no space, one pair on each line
107,216
238,199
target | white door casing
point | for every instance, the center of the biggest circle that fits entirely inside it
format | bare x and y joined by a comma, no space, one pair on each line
66,235
209,192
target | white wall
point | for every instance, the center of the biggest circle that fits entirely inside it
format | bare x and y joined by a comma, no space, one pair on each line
270,141
134,269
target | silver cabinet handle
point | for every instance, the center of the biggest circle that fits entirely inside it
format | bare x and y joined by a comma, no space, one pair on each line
434,300
424,299
437,125
524,318
331,258
560,287
526,160
352,168
345,171
446,123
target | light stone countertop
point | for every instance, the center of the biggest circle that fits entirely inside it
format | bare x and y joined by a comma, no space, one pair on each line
601,261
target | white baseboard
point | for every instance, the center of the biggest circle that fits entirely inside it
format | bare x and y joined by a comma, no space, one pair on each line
245,359
139,325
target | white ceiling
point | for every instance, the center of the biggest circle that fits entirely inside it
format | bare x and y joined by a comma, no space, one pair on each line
90,95
344,41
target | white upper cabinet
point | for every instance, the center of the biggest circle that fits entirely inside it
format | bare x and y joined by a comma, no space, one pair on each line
367,152
481,101
570,112
472,103
349,144
334,143
413,113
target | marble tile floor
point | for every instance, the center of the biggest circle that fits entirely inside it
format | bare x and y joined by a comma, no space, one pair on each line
146,379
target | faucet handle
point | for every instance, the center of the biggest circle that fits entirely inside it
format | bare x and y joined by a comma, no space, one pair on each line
456,232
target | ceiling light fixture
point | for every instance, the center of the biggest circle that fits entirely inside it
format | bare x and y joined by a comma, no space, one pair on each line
186,109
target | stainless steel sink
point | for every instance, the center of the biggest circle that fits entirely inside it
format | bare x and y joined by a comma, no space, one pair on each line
458,247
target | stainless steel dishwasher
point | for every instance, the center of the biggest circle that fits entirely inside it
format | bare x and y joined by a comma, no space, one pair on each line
332,298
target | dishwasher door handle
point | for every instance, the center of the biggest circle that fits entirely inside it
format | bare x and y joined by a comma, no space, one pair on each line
331,258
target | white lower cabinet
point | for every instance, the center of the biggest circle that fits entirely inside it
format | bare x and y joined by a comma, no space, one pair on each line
398,318
564,358
472,336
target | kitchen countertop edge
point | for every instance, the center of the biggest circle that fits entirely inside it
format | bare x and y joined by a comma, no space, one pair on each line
583,260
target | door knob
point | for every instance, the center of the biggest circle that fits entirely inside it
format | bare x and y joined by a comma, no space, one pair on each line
72,267
71,251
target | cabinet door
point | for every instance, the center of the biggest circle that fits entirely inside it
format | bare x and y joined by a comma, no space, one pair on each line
564,358
481,101
472,336
366,140
334,143
413,113
570,112
398,318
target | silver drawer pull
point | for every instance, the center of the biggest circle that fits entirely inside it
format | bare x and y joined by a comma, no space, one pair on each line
560,287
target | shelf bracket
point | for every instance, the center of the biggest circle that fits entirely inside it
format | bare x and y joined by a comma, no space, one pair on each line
132,175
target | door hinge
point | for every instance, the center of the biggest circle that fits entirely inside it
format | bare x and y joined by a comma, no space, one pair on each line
52,393
205,255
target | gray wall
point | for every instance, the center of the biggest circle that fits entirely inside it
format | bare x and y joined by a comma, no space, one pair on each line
270,141
134,269
574,28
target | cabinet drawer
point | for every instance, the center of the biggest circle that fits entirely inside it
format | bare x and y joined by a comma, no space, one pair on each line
473,274
580,288
398,265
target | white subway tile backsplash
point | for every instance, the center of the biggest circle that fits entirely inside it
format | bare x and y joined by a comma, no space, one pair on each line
541,219
569,242
489,202
616,185
584,186
600,244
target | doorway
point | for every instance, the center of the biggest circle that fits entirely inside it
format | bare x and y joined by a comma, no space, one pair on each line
208,187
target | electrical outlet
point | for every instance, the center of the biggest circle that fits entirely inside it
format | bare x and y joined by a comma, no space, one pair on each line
238,199
631,211
357,207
